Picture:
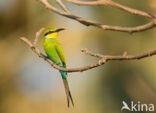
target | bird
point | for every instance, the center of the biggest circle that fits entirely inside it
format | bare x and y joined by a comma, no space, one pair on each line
54,52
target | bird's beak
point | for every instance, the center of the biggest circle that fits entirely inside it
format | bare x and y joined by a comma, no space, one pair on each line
60,29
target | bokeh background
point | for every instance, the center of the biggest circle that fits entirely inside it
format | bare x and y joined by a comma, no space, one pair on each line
29,85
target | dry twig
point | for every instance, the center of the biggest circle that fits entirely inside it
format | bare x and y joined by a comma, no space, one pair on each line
113,4
102,58
67,13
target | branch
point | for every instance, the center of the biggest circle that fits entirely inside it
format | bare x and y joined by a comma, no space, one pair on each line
86,22
60,3
125,56
103,59
113,4
38,34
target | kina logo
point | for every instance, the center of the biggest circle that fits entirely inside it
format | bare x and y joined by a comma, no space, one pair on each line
138,106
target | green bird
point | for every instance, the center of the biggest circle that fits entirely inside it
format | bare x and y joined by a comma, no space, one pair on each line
55,53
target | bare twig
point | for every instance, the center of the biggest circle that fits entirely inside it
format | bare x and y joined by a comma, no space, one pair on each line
37,36
140,28
41,55
113,4
125,56
86,22
63,6
86,51
102,58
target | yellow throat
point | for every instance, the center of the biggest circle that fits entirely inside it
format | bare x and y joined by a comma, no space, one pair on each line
52,35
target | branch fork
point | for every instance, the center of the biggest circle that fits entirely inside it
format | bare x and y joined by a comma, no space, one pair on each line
67,13
102,59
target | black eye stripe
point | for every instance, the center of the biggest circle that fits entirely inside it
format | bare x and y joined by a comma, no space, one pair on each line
57,30
49,32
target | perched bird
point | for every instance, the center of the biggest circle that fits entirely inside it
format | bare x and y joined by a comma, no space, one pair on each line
54,52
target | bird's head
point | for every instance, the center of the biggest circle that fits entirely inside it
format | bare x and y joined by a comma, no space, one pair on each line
52,32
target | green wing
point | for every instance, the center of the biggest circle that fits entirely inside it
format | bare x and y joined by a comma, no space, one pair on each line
60,53
59,50
54,52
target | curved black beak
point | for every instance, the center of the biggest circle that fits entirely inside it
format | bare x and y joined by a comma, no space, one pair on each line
60,29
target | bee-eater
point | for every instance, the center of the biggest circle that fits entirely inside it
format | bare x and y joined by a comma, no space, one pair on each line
55,53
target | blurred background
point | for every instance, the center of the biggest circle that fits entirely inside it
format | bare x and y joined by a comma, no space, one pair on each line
29,85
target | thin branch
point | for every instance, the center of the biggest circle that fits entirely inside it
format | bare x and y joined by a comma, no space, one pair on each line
131,10
87,52
135,29
37,36
125,56
52,8
41,55
113,4
60,3
103,59
86,22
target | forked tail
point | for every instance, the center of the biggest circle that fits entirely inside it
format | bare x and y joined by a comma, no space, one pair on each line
66,86
68,93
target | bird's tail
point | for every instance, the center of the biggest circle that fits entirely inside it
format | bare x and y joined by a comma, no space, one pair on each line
66,86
